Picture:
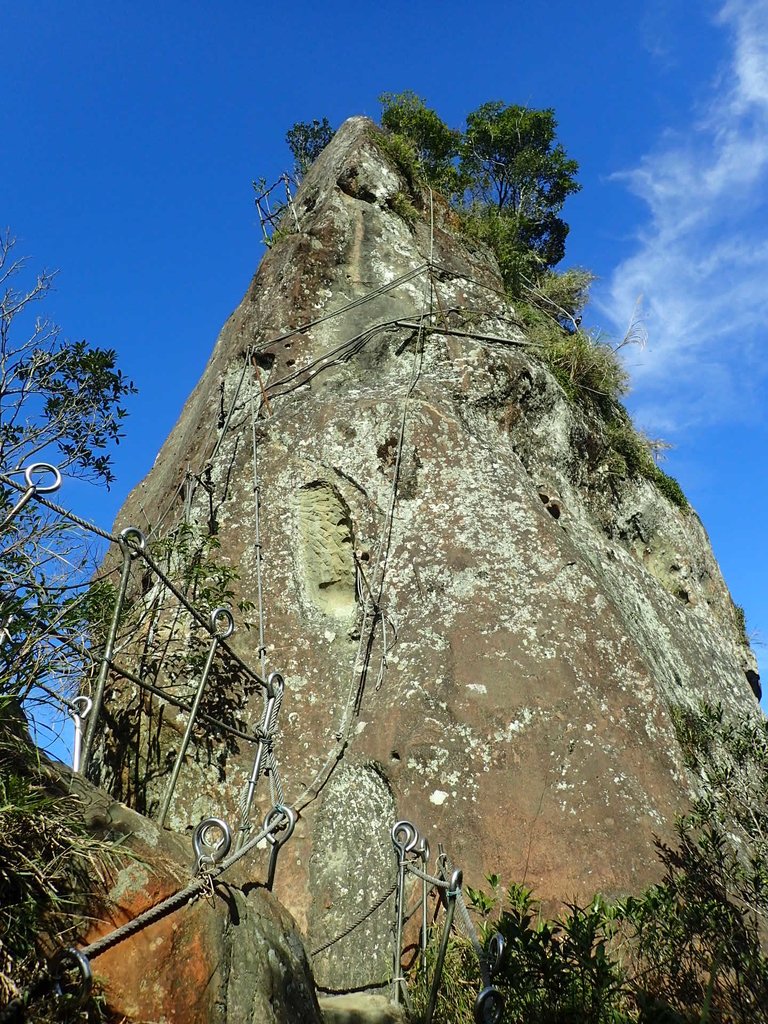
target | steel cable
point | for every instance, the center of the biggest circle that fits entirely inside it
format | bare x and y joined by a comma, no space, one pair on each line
382,899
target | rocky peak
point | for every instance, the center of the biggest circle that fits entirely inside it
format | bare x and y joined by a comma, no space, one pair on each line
477,631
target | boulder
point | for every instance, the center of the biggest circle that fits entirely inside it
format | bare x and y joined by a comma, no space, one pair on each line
229,957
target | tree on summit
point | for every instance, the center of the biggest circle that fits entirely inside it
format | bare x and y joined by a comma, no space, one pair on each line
506,173
306,141
518,171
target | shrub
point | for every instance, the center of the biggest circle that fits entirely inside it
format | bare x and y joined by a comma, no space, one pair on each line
434,144
587,368
49,866
306,141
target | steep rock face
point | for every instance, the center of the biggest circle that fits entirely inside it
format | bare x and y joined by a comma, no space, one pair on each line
478,629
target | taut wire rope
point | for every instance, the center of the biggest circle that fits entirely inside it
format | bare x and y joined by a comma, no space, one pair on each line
374,590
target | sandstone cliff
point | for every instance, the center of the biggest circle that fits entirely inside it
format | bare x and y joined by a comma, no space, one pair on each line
478,630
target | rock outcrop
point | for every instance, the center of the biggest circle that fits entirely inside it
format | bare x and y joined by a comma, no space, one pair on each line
233,957
479,629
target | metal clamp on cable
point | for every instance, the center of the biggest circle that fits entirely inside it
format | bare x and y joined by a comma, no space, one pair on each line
275,688
33,488
209,853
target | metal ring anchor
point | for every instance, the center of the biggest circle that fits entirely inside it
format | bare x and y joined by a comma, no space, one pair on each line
278,841
33,488
207,853
132,537
221,633
489,1006
290,817
405,836
496,949
78,717
42,467
82,964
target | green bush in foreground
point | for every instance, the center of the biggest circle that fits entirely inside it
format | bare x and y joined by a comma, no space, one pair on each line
685,951
49,868
688,950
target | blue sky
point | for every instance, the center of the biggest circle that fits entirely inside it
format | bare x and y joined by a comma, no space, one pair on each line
131,134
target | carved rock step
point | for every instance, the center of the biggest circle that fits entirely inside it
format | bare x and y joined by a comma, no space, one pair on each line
358,1008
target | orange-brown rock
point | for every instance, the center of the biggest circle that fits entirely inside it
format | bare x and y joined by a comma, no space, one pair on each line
226,958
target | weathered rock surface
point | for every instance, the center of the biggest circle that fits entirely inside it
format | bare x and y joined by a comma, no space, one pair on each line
361,1009
231,958
534,622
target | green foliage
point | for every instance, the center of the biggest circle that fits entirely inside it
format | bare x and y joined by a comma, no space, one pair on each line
588,369
517,262
687,950
306,141
514,165
48,867
434,145
697,938
60,402
562,294
505,174
670,488
403,154
403,207
553,971
631,456
741,623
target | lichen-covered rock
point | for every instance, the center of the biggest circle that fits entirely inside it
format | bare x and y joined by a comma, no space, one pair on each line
361,1009
479,630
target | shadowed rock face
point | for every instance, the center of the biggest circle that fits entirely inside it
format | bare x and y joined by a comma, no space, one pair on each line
508,688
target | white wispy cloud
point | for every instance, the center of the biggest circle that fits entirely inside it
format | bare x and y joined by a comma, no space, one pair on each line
701,260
